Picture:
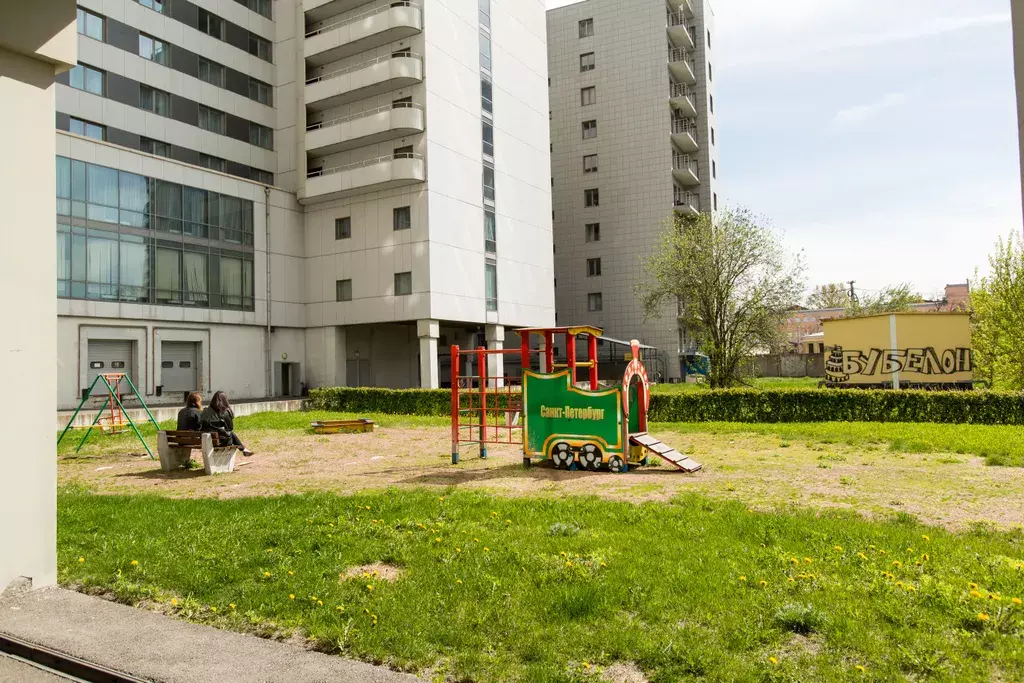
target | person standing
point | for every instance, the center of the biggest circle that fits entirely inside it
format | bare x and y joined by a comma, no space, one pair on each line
189,416
219,418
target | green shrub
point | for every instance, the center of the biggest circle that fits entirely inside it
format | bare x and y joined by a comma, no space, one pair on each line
736,405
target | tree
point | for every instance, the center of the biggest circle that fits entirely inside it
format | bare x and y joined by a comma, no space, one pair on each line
731,282
891,299
832,295
997,307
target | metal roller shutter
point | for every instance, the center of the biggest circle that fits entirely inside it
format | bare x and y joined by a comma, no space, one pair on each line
179,367
110,355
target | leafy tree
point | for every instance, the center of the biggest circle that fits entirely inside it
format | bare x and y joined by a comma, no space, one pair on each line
892,299
731,282
997,307
832,295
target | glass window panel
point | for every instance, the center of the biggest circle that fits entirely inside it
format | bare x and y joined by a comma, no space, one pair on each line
63,177
491,286
196,212
102,266
76,79
195,272
490,232
231,282
63,264
168,275
78,259
230,219
247,284
488,183
134,199
155,5
134,269
166,204
211,72
93,81
102,193
486,94
485,52
488,135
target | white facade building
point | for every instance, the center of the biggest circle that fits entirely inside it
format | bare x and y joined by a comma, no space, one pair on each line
633,139
259,196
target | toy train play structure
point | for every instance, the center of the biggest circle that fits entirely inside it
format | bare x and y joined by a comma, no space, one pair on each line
548,412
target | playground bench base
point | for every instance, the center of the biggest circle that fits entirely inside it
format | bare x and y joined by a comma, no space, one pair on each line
176,448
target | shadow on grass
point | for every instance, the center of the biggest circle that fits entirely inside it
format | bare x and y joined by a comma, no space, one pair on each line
543,471
161,475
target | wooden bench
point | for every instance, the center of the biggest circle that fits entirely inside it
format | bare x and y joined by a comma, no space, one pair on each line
343,426
176,450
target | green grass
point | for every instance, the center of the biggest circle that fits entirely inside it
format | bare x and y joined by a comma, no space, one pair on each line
749,382
554,589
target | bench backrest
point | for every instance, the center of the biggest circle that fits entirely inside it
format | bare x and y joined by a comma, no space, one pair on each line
184,439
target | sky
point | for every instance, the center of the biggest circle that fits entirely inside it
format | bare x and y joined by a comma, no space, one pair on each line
878,136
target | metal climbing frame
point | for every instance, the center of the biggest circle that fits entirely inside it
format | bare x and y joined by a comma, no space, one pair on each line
485,408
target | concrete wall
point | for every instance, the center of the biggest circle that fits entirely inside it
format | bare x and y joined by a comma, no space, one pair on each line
786,365
34,44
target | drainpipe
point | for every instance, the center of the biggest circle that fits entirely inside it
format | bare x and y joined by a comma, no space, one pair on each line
266,225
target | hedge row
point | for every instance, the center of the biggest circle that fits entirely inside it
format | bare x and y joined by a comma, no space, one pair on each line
736,405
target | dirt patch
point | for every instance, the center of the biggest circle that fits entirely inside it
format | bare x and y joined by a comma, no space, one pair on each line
623,672
378,571
801,646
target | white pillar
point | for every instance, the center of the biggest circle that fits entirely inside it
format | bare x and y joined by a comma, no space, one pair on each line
495,335
428,332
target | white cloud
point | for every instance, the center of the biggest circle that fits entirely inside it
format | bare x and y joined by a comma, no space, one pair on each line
862,112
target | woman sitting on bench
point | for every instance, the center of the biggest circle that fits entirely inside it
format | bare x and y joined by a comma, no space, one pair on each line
189,416
219,419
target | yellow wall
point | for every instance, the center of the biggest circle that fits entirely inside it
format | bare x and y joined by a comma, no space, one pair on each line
921,347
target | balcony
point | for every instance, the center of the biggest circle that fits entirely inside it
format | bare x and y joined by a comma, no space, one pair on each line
385,123
373,175
686,203
365,79
679,30
684,170
319,10
364,31
684,6
684,135
682,99
682,65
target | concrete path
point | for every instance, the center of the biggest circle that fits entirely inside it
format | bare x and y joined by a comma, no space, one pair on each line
155,647
16,671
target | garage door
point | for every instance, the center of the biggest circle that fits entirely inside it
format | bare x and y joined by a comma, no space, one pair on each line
179,365
110,355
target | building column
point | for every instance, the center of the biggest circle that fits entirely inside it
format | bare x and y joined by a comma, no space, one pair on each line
495,335
339,352
428,332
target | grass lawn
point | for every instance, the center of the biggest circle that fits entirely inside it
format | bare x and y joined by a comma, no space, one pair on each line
556,589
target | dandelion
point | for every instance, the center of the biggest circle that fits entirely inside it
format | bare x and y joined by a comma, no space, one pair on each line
973,585
925,557
603,564
871,547
270,550
367,507
493,513
982,616
911,589
476,540
458,581
897,564
420,526
586,665
925,537
332,524
794,560
437,540
1015,601
319,603
743,578
899,584
763,583
838,548
791,580
369,587
862,556
860,668
976,594
882,552
213,609
808,560
995,596
174,602
441,499
458,550
291,596
486,549
562,553
135,563
773,661
81,560
340,608
508,522
291,573
232,605
266,574
568,563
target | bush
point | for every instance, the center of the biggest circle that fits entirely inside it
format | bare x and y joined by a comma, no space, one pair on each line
736,405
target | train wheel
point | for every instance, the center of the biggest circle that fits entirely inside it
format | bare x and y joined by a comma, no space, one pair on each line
562,456
590,457
617,465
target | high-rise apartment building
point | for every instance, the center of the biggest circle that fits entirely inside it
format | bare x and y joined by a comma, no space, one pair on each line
632,140
258,195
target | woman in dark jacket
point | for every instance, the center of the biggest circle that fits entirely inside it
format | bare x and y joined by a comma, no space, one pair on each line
188,417
219,419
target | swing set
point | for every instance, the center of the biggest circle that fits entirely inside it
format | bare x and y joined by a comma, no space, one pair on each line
112,417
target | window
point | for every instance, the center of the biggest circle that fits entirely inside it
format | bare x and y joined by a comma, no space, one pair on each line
212,120
155,5
485,52
590,129
488,139
261,136
261,92
154,50
714,169
261,7
156,101
265,177
593,232
87,78
590,198
712,98
213,163
594,302
491,286
88,129
156,147
709,37
403,284
403,152
587,62
485,13
211,24
716,201
712,136
402,218
486,95
90,24
343,290
343,228
488,182
212,73
593,267
490,232
590,163
260,47
586,28
711,75
588,96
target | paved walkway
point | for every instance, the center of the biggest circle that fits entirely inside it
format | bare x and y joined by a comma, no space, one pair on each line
13,670
155,647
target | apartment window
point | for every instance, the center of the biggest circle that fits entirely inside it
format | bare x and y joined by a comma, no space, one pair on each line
590,129
594,302
260,47
586,28
261,92
714,169
403,284
402,218
88,129
153,49
343,228
213,163
488,139
711,76
712,136
593,267
588,96
212,120
403,152
716,201
587,62
490,232
486,95
485,52
343,290
712,98
155,5
265,177
87,78
156,101
212,73
211,24
488,182
156,147
90,24
709,37
590,197
261,7
491,286
593,232
485,13
261,136
590,163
